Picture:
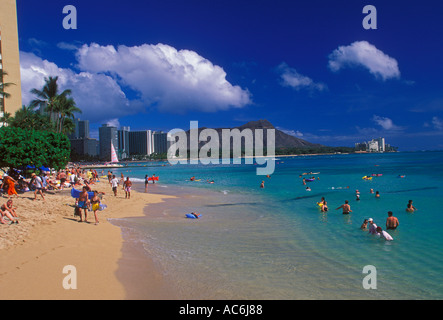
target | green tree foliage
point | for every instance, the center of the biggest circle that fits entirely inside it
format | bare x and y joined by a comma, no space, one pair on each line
21,147
58,106
27,118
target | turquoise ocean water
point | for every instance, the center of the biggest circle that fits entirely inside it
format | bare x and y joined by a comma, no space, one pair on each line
274,243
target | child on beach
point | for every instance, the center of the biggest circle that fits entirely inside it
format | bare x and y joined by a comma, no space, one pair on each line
95,201
6,213
8,207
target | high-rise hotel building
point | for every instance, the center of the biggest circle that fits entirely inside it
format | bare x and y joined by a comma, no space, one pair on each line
9,58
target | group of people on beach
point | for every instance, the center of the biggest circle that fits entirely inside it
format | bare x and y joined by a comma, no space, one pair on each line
87,203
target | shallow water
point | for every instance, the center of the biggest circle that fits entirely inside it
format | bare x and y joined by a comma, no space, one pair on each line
274,243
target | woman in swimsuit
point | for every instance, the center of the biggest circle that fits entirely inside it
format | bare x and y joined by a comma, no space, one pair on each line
95,201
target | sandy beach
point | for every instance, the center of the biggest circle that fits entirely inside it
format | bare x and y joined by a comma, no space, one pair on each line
48,238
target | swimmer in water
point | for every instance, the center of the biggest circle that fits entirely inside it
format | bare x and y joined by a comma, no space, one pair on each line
364,225
324,207
410,207
383,234
391,222
346,207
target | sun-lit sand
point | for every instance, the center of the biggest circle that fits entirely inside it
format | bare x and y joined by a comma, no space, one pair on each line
48,237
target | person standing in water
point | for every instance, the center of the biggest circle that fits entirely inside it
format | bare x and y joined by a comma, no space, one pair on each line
346,207
410,207
391,222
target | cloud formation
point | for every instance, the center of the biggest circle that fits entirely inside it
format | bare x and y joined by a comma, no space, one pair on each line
157,76
385,123
98,96
364,54
437,123
173,80
291,78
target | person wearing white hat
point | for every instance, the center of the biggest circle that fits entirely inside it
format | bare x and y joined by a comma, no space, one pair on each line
372,226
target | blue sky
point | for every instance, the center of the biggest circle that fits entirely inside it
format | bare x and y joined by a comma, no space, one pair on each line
309,67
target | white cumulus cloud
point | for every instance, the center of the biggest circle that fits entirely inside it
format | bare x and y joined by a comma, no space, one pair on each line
291,78
173,80
98,96
385,123
362,53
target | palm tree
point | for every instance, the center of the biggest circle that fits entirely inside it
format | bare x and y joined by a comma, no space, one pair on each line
47,96
27,118
6,118
65,108
3,93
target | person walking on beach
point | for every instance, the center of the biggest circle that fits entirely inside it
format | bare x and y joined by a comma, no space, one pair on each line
10,182
38,183
346,207
391,222
146,183
83,203
127,186
122,180
114,183
95,202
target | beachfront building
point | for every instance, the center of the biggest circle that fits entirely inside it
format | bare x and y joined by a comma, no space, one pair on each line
160,141
141,143
107,135
9,58
81,129
81,143
123,142
84,146
375,145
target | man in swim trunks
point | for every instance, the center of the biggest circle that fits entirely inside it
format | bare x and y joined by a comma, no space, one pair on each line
114,183
346,207
391,222
82,203
127,186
